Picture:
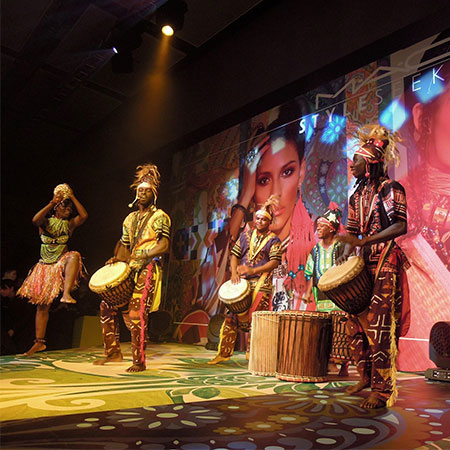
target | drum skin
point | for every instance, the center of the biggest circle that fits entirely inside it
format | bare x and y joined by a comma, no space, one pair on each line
236,297
348,285
304,342
264,343
113,283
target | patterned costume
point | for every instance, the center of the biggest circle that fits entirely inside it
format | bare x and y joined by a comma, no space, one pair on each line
46,279
254,250
372,210
139,233
319,261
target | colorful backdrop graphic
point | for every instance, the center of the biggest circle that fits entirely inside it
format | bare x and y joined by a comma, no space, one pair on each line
312,145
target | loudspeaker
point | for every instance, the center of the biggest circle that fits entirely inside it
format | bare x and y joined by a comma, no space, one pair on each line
439,350
213,333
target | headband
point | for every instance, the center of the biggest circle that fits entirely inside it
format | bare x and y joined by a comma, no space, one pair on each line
326,222
264,213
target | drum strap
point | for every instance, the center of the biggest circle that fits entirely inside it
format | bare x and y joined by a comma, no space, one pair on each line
259,283
135,240
383,257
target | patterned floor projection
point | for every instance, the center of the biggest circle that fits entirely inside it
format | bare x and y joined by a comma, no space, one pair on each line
60,400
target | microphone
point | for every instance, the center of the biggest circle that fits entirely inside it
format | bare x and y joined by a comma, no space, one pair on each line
130,205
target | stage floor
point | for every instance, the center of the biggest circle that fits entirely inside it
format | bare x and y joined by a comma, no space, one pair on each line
60,400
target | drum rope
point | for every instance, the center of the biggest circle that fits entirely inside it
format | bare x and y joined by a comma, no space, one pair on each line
191,323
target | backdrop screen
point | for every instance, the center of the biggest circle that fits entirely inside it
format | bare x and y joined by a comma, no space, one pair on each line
311,145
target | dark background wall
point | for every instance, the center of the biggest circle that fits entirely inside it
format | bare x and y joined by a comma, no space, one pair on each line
282,50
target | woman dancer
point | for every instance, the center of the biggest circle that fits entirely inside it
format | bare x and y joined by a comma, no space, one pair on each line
58,269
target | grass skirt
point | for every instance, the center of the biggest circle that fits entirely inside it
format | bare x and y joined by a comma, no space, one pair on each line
45,281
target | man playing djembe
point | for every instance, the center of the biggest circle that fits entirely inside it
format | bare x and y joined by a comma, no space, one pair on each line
377,214
254,256
145,237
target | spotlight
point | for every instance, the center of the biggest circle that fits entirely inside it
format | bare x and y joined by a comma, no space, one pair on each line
171,15
167,30
122,60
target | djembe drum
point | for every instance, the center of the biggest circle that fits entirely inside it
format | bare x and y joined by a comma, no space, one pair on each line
303,346
236,296
264,343
348,285
340,349
113,283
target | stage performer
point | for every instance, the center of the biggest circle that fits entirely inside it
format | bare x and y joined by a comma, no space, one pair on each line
58,269
324,255
145,238
377,215
254,257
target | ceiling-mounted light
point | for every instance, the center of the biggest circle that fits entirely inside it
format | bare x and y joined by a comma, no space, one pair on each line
167,30
171,15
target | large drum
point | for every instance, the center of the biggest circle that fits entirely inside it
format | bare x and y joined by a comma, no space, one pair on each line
264,343
236,297
348,285
340,349
303,346
113,283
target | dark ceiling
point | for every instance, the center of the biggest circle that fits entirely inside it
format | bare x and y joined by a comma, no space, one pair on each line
56,68
67,117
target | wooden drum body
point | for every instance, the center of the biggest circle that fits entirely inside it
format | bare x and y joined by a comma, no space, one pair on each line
348,285
303,346
264,343
340,349
236,297
113,283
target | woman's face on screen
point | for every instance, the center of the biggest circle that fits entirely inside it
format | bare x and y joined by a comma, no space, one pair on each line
278,173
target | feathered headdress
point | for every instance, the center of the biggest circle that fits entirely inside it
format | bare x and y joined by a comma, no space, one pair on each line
269,206
148,176
377,144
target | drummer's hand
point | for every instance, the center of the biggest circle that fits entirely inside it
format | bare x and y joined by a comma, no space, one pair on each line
245,271
306,299
112,260
341,260
235,278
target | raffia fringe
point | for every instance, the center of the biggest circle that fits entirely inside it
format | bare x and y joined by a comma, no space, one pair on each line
393,350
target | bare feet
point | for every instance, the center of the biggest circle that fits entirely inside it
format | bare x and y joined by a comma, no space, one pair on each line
37,347
67,298
247,356
136,368
218,359
358,387
113,357
372,402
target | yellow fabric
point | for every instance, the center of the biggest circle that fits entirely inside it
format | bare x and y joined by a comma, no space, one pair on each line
150,235
253,252
259,283
158,288
393,350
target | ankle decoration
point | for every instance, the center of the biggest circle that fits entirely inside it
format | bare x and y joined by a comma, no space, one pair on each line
39,341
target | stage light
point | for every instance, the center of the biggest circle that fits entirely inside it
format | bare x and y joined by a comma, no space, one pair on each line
439,348
171,15
167,30
123,46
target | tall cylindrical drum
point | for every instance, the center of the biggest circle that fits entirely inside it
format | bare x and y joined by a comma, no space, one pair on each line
304,342
264,343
